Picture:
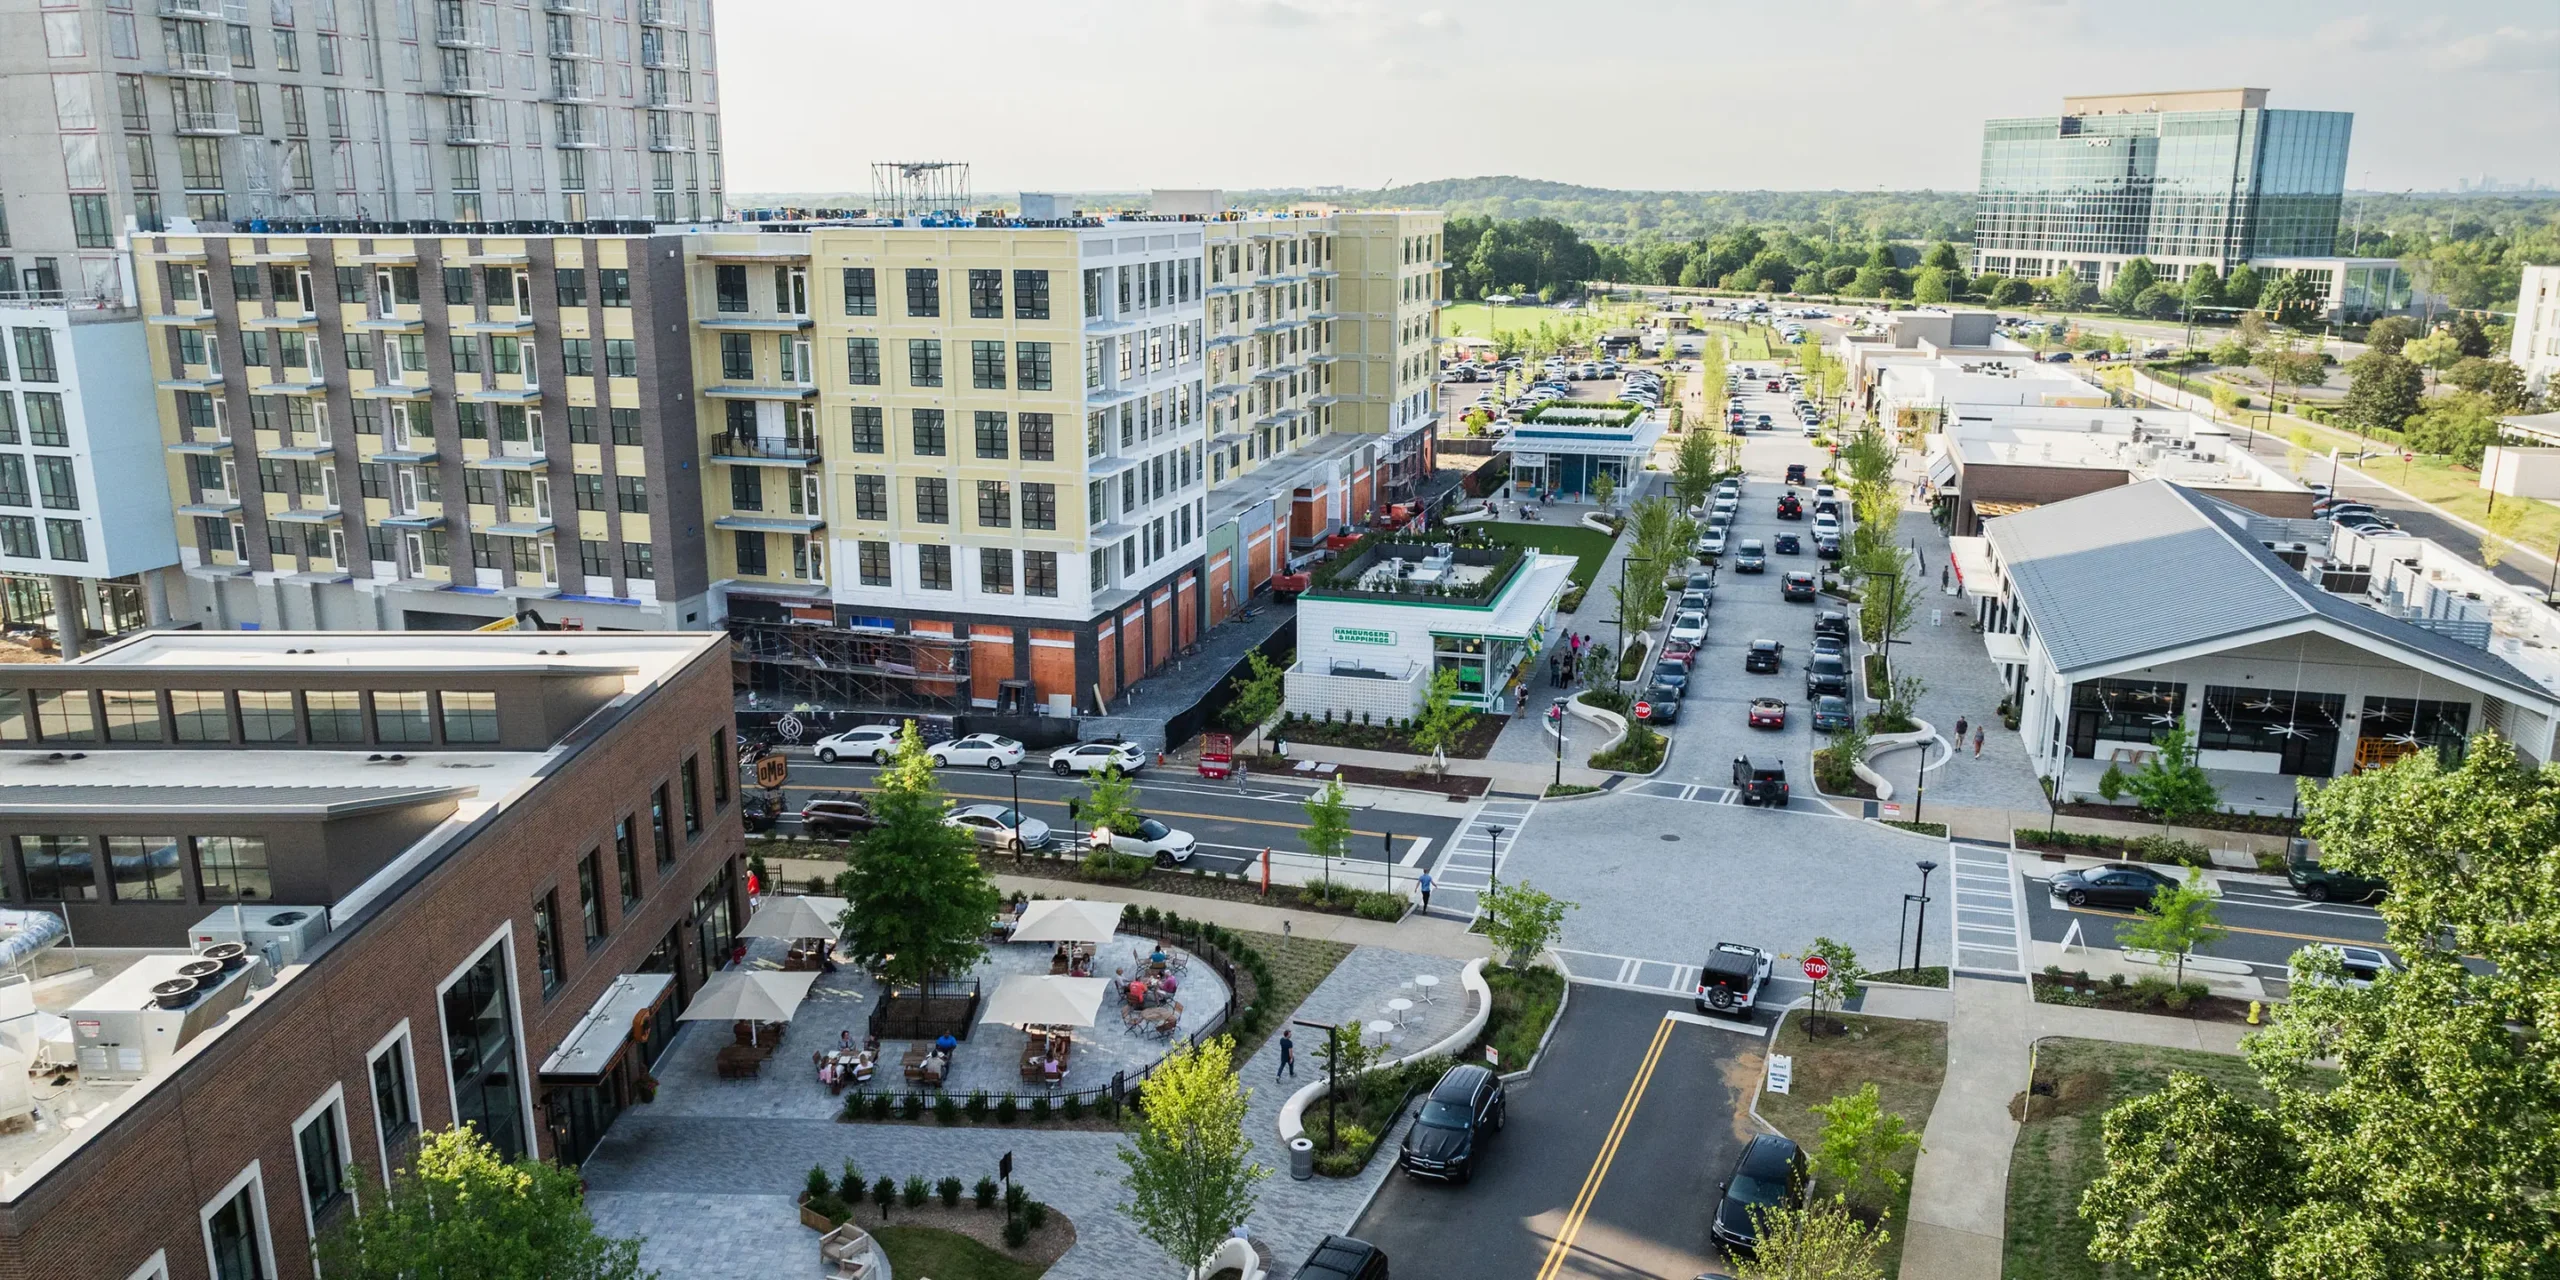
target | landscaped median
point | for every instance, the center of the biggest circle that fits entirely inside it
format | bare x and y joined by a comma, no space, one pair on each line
1378,1091
1904,1059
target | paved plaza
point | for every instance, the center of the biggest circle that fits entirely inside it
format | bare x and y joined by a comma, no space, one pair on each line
1943,649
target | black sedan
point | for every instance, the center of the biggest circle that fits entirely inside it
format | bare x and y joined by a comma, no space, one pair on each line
1826,548
1764,657
2114,884
1661,703
1770,1175
1797,586
1831,713
1788,544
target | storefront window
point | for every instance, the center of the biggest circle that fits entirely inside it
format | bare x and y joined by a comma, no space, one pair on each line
2123,711
2394,727
2299,728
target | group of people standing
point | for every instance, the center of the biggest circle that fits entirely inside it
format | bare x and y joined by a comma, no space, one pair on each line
1564,662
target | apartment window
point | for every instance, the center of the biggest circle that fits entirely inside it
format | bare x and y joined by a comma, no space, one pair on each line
1031,366
133,715
870,497
738,357
200,715
266,716
577,357
929,441
720,770
35,354
1030,295
872,562
658,828
591,896
1039,505
750,549
589,492
862,361
933,565
924,291
868,434
1037,434
621,358
625,425
992,442
13,479
986,295
986,366
631,493
933,500
691,776
402,717
336,715
546,940
56,483
145,869
639,561
466,353
395,1109
58,868
457,286
480,1042
358,350
235,1231
924,362
233,869
861,292
470,717
595,558
321,1146
613,286
729,285
995,504
45,424
995,571
1040,573
626,860
91,228
569,286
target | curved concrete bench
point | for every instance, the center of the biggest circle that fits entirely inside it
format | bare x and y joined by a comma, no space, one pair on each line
1591,520
1233,1255
1467,517
1611,721
1293,1112
1884,742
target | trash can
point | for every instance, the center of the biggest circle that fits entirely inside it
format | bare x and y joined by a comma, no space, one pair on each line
1302,1158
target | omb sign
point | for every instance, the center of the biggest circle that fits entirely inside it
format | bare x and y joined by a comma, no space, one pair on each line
1817,968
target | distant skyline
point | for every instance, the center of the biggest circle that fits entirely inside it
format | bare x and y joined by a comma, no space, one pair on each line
1105,95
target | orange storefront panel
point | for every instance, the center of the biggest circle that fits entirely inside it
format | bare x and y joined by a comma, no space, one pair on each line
1053,665
990,660
1221,588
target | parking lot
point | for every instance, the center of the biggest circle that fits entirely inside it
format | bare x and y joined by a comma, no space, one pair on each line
1609,1163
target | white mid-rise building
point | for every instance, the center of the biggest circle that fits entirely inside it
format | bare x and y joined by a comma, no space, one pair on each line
2536,347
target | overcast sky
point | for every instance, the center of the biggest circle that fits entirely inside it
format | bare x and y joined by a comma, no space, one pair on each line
1672,94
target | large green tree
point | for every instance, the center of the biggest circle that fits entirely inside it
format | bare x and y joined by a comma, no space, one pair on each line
1191,1171
1258,692
2242,287
2204,286
1521,919
1327,834
2390,333
2171,784
460,1212
2382,391
2177,920
1818,1240
1859,1147
920,900
2132,278
2410,1132
1443,720
2291,298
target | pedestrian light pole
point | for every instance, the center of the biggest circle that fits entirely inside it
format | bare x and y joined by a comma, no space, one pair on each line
1920,938
1558,713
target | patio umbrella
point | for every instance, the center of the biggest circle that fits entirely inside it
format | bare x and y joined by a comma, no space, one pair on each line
796,917
756,996
1069,920
1040,1000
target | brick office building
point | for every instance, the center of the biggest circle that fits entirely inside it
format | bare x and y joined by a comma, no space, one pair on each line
459,863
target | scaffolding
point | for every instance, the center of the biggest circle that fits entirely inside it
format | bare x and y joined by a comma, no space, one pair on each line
836,668
913,188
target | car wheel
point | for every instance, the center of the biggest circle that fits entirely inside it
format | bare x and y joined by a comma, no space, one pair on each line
826,755
1466,1173
2077,897
1164,859
1014,846
1060,768
1501,1118
2316,891
880,757
995,762
1721,999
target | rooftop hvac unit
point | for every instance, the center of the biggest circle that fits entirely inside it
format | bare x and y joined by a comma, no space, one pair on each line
279,935
137,1020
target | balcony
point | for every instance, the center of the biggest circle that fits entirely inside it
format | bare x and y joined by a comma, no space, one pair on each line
791,449
660,59
191,62
662,141
465,84
655,95
471,135
208,124
578,137
567,45
463,35
580,8
571,92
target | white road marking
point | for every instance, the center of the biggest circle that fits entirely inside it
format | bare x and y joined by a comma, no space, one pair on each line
1702,1020
1413,856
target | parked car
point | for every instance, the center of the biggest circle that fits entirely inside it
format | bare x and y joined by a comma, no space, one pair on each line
1763,422
1711,545
1826,673
1730,980
1831,622
1826,548
1788,544
1790,507
1830,644
1450,1130
1694,601
2113,884
998,827
985,750
2357,966
835,815
1343,1258
1761,780
1764,657
873,742
1768,713
1797,586
1831,714
1770,1175
2320,884
1691,627
1751,557
1662,703
1672,669
1149,839
1094,757
755,812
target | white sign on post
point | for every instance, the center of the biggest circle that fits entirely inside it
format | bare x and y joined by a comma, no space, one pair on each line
1782,1072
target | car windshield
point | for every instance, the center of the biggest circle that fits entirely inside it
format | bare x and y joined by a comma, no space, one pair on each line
1444,1115
1005,818
1751,1190
1152,829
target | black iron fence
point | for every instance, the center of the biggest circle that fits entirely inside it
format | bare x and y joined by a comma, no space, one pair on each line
942,1008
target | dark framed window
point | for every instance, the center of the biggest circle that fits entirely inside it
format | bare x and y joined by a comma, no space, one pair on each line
146,868
1040,573
729,286
924,362
991,434
470,717
631,493
457,286
658,835
995,504
721,768
336,715
861,292
929,438
613,286
626,860
58,868
924,291
1037,435
2121,710
402,716
546,940
986,365
868,434
266,716
1039,505
578,357
746,488
870,497
624,424
750,552
133,715
986,294
995,570
621,358
233,869
933,500
595,557
738,357
1031,366
690,776
1030,295
639,561
933,565
862,361
591,896
569,287
872,561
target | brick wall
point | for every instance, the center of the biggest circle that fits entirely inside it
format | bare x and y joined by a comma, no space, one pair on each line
137,1185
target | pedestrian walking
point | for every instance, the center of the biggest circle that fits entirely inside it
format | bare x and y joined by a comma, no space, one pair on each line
1977,742
1555,672
1960,727
1288,1056
1424,884
1943,570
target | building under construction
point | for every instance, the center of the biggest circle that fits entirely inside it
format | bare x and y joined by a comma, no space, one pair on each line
841,668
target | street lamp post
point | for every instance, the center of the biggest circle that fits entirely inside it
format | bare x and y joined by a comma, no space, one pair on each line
1332,1087
1558,712
1920,935
1493,860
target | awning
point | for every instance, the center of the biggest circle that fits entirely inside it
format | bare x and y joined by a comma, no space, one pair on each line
306,515
752,995
1972,560
412,522
617,1019
770,524
522,529
507,462
1942,469
2005,647
208,508
502,395
1044,1000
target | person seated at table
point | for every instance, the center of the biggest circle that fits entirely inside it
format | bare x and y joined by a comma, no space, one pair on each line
1156,957
844,1038
1167,982
945,1044
1137,995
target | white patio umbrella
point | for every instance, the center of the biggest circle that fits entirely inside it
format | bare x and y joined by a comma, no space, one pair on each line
754,995
1040,1000
1069,920
796,917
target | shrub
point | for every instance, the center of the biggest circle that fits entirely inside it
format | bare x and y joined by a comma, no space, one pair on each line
849,1187
917,1189
1040,1110
986,1193
1337,1164
945,1110
1355,1138
1150,917
978,1105
1111,867
856,1106
819,1183
2115,982
884,1191
1074,1107
2151,989
879,1106
948,1191
2158,848
912,1106
2111,783
1035,1215
1015,1233
1007,1110
1371,905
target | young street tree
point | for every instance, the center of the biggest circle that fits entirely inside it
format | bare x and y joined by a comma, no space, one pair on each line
1191,1173
1860,1145
1110,802
1840,984
1522,919
920,900
462,1212
1327,834
1696,470
2171,785
2180,919
1258,693
1442,721
2408,1131
1817,1241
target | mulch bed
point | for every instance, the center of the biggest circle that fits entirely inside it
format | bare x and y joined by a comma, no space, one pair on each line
1474,744
2206,1009
1158,880
986,1226
2247,823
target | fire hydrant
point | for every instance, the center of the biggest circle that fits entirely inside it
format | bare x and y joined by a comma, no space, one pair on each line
2254,1007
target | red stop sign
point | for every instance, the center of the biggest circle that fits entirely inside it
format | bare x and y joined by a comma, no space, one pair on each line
1817,968
1644,711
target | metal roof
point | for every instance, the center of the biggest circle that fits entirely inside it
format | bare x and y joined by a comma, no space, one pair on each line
2121,574
166,799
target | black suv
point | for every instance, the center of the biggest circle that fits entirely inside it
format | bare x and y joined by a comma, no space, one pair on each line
1461,1111
1795,473
1770,1175
1343,1258
1827,673
1662,703
1790,545
836,815
1730,980
1761,780
1797,587
1790,507
755,812
2320,884
1763,657
1831,622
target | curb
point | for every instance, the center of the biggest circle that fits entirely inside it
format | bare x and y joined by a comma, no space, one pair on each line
1753,1106
1563,1001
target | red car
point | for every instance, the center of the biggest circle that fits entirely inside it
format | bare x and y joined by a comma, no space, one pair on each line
1768,713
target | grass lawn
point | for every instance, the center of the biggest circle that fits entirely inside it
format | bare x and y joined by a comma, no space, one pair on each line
1907,1060
1467,319
947,1255
1297,965
1588,547
2059,1150
1745,342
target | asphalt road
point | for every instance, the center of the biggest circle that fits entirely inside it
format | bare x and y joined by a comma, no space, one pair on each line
2267,925
1233,826
1608,1165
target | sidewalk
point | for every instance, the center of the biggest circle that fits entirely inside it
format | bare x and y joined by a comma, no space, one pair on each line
1417,933
1960,1188
1517,777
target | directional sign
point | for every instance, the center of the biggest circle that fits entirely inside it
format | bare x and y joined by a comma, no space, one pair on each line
1644,711
1782,1072
1817,968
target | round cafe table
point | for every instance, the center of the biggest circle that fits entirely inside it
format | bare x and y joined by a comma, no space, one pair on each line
1399,1007
1424,983
1379,1029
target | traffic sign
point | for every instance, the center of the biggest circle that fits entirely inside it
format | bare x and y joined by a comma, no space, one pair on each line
1817,968
1644,711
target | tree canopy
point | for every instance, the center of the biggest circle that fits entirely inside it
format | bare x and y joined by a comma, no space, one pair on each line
460,1212
920,901
1191,1172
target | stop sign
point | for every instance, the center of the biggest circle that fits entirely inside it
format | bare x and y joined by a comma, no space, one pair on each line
1817,968
1644,711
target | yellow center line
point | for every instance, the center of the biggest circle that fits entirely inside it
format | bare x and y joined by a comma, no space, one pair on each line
1572,1227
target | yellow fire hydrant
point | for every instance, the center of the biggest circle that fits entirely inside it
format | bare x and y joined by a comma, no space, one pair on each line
2254,1006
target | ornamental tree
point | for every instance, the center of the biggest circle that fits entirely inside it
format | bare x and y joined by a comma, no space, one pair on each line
920,900
1191,1172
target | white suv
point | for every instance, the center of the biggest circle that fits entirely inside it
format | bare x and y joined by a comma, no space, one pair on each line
1094,757
873,742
